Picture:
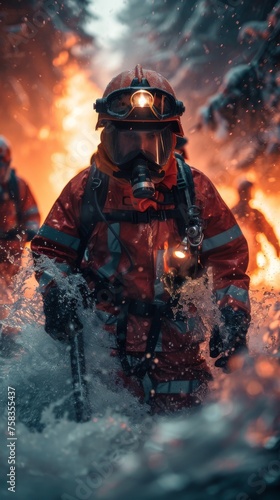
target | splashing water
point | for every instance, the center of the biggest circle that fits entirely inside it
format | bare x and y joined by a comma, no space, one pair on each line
226,449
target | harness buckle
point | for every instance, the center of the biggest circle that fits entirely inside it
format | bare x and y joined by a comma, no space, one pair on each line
162,215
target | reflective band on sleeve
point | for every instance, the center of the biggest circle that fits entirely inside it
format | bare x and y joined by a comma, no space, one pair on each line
177,387
221,239
48,276
31,211
114,248
31,224
59,237
172,387
233,291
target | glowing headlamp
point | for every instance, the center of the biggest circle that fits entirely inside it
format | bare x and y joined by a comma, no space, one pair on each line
142,99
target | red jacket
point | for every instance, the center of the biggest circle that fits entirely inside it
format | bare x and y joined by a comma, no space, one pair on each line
224,247
18,223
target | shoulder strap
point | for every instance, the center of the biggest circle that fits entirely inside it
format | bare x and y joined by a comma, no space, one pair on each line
89,211
185,180
14,193
184,194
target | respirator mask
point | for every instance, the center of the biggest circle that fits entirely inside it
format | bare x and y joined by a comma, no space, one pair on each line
140,151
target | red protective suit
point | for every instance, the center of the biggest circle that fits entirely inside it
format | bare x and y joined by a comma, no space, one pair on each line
18,223
179,367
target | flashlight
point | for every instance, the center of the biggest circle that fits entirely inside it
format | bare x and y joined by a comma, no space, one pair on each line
192,240
182,251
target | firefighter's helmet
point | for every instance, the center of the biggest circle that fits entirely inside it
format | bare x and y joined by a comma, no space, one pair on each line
141,96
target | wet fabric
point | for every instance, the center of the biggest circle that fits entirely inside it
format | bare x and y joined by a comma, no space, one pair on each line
131,259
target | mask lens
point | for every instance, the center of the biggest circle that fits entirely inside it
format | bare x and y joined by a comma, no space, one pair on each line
123,144
119,104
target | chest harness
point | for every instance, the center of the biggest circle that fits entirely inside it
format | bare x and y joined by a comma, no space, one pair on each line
190,226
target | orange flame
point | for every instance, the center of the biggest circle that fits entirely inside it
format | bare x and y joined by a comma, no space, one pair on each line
75,112
267,260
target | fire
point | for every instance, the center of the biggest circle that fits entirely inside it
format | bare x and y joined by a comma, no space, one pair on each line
78,136
67,137
44,133
267,260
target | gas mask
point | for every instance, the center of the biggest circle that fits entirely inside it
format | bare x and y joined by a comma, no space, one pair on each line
140,152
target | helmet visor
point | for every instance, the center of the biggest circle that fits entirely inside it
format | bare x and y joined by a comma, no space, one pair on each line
123,143
122,103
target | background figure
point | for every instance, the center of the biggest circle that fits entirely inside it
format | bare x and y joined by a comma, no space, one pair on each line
252,222
19,222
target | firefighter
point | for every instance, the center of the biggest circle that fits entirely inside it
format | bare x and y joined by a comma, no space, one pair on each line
129,262
253,223
19,222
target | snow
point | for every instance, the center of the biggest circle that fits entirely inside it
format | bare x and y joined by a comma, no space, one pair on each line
224,450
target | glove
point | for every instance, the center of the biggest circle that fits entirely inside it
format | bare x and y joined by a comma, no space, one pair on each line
29,234
61,319
9,235
18,234
230,339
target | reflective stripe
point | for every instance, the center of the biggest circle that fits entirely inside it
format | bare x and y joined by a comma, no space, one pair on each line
48,276
177,387
114,248
233,291
158,285
31,211
221,239
172,387
31,224
59,237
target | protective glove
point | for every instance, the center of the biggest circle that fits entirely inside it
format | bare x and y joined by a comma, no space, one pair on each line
230,339
29,234
61,319
10,235
17,234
